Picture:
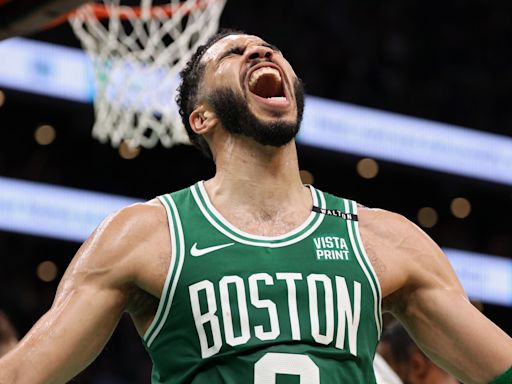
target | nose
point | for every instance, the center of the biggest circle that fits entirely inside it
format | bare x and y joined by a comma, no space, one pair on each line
259,52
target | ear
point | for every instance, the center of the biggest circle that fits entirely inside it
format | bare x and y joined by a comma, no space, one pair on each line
420,365
202,119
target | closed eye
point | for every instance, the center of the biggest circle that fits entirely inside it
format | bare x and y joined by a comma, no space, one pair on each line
272,47
236,50
239,50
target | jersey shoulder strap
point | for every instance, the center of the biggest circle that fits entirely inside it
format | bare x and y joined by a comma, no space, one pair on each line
169,202
347,210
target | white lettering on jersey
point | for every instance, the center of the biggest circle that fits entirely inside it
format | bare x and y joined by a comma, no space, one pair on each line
201,319
313,279
346,324
331,248
274,331
330,242
345,312
245,333
292,300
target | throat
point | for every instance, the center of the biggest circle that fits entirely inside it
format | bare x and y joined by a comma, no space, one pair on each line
268,223
262,212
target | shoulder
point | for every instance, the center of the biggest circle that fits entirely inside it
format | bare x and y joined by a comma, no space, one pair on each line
121,244
130,225
377,218
391,229
404,256
138,213
138,219
394,230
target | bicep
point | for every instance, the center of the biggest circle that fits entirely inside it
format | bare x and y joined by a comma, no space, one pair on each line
443,322
68,337
455,335
89,302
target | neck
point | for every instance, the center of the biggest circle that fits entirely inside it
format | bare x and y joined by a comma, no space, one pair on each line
258,178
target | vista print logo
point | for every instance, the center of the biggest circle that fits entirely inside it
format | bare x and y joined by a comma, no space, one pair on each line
331,248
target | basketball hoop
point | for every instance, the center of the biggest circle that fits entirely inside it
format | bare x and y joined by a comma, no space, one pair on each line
137,53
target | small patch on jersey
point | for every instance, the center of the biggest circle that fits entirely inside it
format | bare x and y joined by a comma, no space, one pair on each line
331,248
335,212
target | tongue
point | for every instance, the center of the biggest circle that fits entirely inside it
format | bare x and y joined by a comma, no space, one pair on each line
267,86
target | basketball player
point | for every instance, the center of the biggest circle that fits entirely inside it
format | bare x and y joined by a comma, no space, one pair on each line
407,360
252,277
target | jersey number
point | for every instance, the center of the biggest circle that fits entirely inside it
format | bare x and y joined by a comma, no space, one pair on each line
271,364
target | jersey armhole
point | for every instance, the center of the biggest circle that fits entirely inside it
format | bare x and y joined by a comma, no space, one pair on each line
173,274
364,262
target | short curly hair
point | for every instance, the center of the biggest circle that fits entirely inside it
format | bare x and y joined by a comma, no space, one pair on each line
188,90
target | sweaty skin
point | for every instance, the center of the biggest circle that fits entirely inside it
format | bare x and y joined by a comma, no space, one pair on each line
123,265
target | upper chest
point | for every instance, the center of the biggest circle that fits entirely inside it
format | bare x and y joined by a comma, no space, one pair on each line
324,243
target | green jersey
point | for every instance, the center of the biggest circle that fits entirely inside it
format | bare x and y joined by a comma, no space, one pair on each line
304,307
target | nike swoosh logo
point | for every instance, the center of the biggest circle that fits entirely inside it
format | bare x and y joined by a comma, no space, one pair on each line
194,251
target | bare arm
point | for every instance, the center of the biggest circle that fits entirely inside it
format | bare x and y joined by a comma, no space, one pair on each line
90,300
424,293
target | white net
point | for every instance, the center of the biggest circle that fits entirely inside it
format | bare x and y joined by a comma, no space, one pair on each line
137,53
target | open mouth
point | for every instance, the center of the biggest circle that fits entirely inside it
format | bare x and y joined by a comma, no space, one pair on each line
266,83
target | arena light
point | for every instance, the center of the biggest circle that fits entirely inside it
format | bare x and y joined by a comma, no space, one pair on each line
367,168
484,277
47,271
67,73
46,69
460,207
54,211
72,214
427,217
407,140
44,134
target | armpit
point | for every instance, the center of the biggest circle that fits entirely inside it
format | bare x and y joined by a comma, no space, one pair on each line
141,303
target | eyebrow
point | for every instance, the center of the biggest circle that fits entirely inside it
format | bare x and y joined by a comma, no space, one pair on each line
271,46
243,48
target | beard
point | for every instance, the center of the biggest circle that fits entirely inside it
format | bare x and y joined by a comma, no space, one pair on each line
234,114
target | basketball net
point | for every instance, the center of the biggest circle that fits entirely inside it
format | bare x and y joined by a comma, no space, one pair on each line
137,54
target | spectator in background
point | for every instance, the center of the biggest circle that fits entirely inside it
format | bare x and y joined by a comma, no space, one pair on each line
384,374
8,336
408,361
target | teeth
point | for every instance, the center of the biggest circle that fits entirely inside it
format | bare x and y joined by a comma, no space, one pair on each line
277,98
263,71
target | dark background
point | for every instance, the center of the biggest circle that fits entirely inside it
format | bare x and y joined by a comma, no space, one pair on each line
448,61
